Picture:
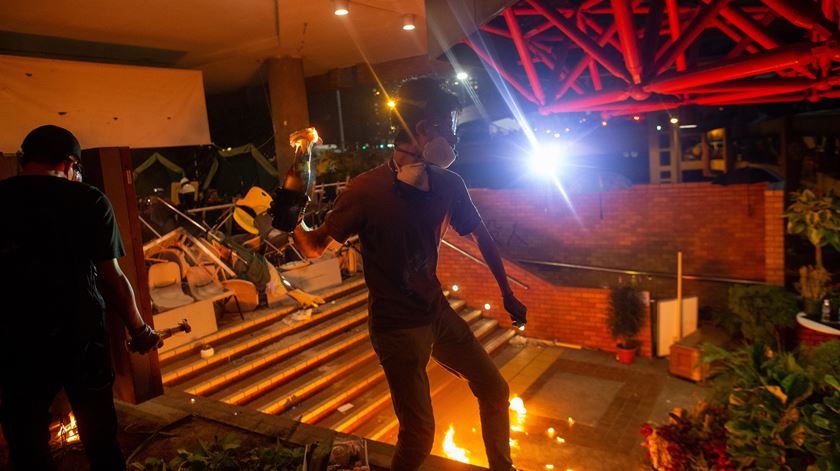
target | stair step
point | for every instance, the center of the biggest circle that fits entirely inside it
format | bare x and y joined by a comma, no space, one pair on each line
238,329
373,401
270,353
187,367
385,423
255,385
299,389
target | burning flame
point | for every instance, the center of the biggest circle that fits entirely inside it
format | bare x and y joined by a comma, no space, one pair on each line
518,406
452,450
69,433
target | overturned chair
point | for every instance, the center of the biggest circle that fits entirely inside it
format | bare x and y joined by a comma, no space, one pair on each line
165,286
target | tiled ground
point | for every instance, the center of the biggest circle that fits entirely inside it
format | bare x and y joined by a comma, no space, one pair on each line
607,402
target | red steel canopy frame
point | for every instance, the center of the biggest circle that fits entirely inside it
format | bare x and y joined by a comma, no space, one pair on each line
632,56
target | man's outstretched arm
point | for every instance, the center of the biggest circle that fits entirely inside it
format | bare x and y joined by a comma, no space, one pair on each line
311,244
119,296
491,256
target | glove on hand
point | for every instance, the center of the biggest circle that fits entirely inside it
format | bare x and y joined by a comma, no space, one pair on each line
516,309
145,339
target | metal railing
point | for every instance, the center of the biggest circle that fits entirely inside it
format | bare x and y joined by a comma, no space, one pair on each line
480,262
658,274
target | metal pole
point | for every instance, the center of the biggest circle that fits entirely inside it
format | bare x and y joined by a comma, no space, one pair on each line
340,119
679,296
629,40
522,49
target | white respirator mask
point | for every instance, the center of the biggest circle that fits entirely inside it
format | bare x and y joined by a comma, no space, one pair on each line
439,153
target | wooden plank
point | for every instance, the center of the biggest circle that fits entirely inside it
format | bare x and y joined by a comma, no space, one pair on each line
109,169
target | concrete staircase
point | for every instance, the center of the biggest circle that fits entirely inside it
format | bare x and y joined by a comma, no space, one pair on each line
309,365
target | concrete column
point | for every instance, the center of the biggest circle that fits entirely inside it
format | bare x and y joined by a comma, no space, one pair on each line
289,108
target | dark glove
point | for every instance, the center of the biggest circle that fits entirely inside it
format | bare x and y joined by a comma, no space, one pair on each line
144,340
516,309
287,208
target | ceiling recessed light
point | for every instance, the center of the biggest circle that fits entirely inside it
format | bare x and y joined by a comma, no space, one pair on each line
342,7
408,22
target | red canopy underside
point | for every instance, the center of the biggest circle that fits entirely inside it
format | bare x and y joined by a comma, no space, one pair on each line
632,56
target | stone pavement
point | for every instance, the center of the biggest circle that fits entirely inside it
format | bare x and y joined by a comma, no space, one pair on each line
594,405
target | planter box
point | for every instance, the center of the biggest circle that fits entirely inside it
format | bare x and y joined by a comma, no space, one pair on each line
685,354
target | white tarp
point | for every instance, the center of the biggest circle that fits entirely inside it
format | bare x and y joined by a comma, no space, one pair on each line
104,105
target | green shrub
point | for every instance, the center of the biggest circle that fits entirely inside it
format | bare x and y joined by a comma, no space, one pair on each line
823,423
626,314
226,454
763,311
823,360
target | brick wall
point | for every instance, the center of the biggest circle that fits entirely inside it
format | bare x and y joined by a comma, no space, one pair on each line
720,229
731,231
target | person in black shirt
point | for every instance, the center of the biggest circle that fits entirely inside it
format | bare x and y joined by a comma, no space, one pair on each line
59,238
400,210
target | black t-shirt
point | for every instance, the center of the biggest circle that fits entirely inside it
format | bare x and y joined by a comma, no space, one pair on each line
53,232
400,228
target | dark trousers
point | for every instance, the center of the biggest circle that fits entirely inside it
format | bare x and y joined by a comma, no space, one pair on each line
24,414
404,354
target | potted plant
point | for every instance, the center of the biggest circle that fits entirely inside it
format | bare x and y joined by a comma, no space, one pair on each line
817,218
625,317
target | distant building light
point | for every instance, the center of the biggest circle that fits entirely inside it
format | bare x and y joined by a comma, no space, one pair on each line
658,127
675,120
688,126
462,76
603,123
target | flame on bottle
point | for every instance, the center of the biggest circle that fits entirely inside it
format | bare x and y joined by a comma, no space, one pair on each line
69,433
518,405
452,450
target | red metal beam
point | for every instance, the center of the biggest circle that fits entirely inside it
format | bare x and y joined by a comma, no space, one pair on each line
747,43
506,34
593,74
749,26
629,41
760,63
584,62
588,21
585,102
539,29
778,85
542,57
744,42
492,64
700,22
802,13
674,24
582,40
522,49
